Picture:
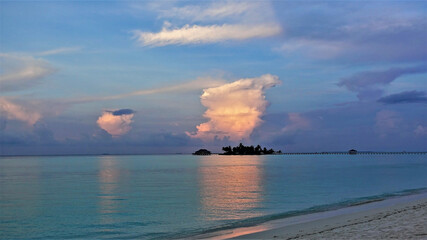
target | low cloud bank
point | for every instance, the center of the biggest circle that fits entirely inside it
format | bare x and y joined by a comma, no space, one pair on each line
369,85
405,97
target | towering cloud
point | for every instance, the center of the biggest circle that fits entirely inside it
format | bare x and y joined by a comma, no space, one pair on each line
234,109
116,122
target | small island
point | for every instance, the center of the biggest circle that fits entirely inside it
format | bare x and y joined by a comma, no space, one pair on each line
248,150
202,152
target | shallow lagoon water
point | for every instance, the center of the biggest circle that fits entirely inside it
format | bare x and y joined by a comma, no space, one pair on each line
172,196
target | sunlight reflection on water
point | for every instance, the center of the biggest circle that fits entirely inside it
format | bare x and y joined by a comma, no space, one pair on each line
108,184
161,196
229,189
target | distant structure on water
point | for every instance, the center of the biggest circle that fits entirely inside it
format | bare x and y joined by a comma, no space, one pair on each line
352,152
202,152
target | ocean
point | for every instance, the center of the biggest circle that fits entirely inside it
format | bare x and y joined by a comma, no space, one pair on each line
178,196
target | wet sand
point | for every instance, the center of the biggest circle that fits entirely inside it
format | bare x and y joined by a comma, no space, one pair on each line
407,220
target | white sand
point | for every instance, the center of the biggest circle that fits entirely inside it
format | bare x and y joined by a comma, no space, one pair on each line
397,221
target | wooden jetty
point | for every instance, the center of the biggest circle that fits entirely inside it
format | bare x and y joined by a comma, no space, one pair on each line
347,153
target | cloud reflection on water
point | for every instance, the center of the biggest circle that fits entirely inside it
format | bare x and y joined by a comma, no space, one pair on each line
108,176
232,189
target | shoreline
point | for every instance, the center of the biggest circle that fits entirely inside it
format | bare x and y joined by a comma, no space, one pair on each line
149,154
396,217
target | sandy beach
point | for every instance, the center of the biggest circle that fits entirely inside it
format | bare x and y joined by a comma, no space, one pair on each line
402,217
396,221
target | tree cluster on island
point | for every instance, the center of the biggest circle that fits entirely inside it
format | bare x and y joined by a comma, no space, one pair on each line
248,150
202,152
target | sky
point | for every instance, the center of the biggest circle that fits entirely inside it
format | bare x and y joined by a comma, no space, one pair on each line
149,77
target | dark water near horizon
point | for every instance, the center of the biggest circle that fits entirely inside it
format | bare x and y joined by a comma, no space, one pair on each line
170,196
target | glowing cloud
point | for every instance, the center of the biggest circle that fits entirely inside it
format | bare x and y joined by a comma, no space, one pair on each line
116,122
14,111
234,109
206,34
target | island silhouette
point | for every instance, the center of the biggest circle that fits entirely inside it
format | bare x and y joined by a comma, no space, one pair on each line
248,150
202,152
241,150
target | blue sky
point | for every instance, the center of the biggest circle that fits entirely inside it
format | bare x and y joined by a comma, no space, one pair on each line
174,76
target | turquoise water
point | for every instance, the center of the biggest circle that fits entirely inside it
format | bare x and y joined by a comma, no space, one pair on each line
172,196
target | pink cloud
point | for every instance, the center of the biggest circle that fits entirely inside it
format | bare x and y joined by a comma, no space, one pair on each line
116,125
15,111
234,109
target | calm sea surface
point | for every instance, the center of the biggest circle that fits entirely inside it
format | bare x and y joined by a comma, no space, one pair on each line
172,196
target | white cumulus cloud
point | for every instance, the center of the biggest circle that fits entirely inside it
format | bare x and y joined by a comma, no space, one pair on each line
116,123
234,109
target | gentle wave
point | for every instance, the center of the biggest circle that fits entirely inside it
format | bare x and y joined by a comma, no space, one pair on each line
176,196
315,209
